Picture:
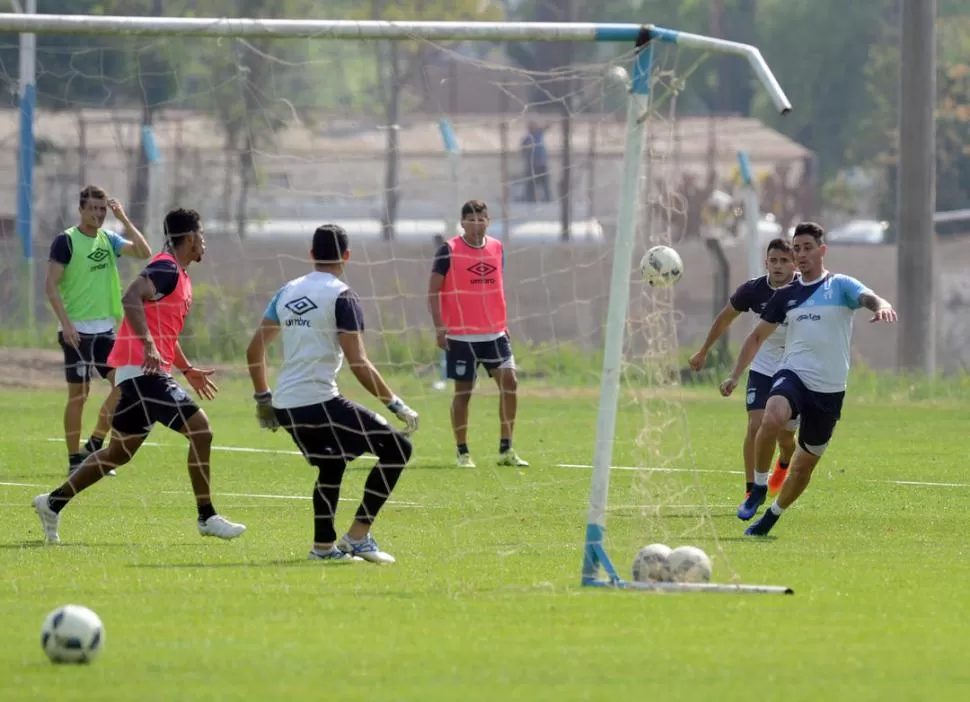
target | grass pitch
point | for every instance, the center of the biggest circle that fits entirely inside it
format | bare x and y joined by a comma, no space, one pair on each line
484,602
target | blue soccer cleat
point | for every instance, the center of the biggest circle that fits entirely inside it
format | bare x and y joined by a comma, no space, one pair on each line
755,498
763,525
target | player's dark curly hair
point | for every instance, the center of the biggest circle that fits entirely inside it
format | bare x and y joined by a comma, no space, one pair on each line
810,229
179,223
330,242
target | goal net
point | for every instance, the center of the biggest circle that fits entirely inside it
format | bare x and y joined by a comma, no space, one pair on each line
270,137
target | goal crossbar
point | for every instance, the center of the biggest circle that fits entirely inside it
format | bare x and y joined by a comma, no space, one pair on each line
383,29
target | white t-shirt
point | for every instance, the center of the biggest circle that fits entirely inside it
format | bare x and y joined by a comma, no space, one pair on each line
819,338
312,311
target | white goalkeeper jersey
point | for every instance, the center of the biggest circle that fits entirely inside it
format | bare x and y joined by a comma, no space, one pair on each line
312,312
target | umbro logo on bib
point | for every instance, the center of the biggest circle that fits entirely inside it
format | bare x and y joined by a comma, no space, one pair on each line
300,306
98,255
482,269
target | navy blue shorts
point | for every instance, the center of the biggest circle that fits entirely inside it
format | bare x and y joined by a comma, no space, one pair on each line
759,387
818,412
463,357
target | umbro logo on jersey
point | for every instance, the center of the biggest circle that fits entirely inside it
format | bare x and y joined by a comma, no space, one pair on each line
98,255
300,306
483,271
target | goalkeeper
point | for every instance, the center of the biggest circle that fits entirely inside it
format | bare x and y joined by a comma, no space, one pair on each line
321,321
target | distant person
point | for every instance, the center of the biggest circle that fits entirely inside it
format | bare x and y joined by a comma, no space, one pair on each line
536,163
84,290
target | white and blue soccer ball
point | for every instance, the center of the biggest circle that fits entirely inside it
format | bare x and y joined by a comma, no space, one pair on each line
689,564
72,634
650,564
661,267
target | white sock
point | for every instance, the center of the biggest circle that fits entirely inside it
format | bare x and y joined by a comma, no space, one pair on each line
760,479
776,508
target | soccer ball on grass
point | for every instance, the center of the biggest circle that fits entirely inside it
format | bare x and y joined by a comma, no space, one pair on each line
661,267
689,564
650,564
72,634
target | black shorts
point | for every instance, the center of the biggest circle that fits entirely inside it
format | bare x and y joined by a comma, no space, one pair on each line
463,357
339,428
148,399
818,412
91,355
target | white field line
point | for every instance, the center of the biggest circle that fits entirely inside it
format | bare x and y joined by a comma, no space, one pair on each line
243,449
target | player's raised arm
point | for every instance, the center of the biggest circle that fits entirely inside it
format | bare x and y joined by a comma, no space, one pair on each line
136,245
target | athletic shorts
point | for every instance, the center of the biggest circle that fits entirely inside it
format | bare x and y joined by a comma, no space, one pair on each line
756,398
818,412
150,399
91,355
463,357
337,428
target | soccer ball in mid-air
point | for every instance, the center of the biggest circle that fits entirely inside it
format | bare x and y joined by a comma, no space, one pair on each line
661,267
650,564
72,634
689,564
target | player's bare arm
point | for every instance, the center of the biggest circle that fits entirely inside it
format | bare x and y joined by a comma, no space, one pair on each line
198,378
748,351
133,301
435,283
55,271
256,360
136,245
720,325
352,344
881,310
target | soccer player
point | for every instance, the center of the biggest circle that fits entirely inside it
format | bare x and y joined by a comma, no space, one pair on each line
466,298
813,372
84,290
321,322
753,296
156,305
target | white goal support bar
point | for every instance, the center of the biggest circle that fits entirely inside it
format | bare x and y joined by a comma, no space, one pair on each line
640,36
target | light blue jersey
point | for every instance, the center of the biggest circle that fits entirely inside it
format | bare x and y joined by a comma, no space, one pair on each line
819,338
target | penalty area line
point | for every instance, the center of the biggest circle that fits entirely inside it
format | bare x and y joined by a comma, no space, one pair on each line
396,503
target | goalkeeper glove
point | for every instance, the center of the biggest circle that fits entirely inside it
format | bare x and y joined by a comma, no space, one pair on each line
404,413
264,411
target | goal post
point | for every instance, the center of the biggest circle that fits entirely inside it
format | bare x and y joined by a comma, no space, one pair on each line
635,170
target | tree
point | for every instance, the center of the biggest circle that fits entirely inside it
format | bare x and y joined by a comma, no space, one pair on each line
396,65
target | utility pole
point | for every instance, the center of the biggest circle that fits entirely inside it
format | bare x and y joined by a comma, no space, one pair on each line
916,189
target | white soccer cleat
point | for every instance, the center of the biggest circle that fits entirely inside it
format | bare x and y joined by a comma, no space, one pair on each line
366,549
511,458
49,519
465,460
218,525
334,555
